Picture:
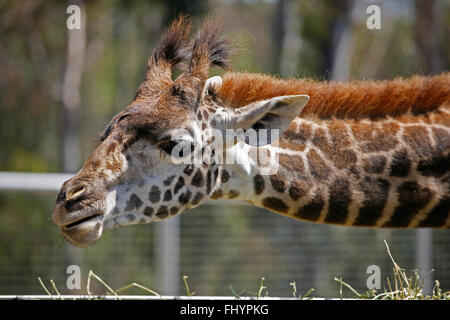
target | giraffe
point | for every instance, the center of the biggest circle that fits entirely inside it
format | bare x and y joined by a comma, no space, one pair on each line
361,153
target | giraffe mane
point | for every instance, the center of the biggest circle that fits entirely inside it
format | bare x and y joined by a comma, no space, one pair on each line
352,99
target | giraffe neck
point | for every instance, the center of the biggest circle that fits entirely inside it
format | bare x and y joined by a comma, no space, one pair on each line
390,172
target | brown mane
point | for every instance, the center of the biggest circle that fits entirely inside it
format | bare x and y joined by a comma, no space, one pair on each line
353,99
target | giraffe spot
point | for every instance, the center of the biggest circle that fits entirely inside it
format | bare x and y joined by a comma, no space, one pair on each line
417,138
275,204
162,212
225,176
111,148
302,135
339,135
298,189
277,183
197,198
154,195
197,179
378,139
217,194
199,116
311,210
208,182
178,185
317,166
343,158
292,163
185,197
233,194
362,131
435,166
438,216
320,139
354,171
148,211
169,180
133,203
411,199
374,164
174,211
168,195
206,115
258,184
442,139
293,145
189,169
340,198
383,140
400,164
376,192
95,164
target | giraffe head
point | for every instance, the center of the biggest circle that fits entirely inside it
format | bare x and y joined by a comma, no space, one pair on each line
145,168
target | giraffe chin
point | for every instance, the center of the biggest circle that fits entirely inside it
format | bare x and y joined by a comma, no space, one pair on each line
85,233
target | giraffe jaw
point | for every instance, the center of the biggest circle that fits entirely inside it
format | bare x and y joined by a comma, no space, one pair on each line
85,231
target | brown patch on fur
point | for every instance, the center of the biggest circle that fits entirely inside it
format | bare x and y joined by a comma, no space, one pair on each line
383,139
317,166
353,99
292,145
277,182
311,210
362,131
292,163
334,151
258,184
298,188
417,138
374,164
339,135
217,194
275,204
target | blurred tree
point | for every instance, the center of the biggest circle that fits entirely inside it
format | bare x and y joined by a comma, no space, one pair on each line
426,36
173,8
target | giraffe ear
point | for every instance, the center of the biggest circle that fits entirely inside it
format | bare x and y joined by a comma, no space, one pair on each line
268,118
213,85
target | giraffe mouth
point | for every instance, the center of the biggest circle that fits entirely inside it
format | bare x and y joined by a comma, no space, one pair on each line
81,221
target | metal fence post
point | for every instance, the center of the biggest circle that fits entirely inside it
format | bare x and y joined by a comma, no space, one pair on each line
424,258
167,247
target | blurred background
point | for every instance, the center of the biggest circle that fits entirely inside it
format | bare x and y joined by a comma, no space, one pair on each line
60,88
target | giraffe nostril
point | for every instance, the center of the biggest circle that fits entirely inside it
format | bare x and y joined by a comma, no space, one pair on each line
75,192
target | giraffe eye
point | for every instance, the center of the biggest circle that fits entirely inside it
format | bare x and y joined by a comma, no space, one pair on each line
168,146
177,149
